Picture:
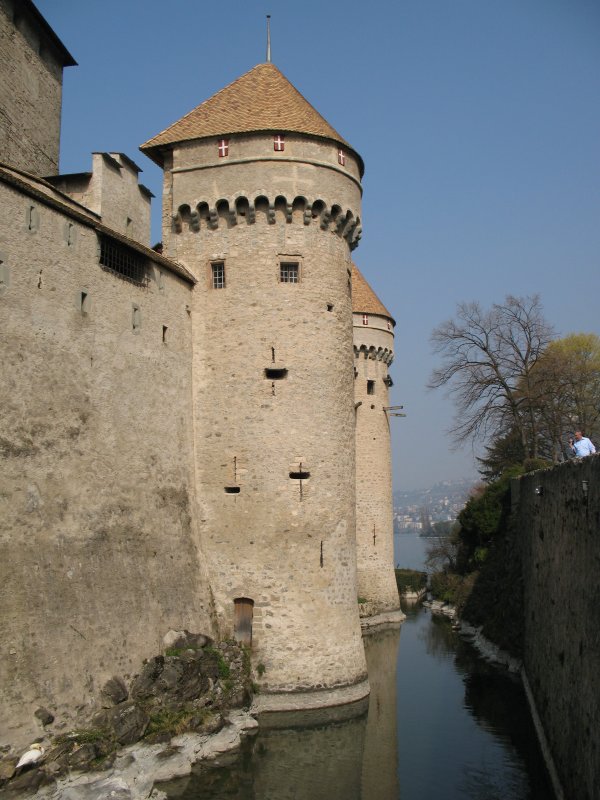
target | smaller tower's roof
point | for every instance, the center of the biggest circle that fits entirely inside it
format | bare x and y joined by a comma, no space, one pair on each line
364,299
260,100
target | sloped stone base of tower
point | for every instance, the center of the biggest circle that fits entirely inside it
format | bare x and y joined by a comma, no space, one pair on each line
385,619
308,701
379,588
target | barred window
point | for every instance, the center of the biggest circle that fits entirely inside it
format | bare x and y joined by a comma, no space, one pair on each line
289,272
123,261
218,274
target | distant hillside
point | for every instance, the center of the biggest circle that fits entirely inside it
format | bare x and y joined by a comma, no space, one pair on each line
440,502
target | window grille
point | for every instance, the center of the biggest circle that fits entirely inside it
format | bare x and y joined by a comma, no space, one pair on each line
218,275
289,272
123,261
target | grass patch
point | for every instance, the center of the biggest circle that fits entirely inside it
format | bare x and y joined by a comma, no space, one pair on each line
176,652
90,736
246,662
410,580
167,721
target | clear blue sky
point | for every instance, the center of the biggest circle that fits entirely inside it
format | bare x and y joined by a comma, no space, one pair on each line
479,125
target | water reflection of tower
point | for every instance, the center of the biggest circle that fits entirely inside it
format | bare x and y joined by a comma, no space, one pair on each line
315,763
380,758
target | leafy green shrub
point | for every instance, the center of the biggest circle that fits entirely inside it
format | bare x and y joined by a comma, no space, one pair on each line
452,588
481,519
222,665
480,554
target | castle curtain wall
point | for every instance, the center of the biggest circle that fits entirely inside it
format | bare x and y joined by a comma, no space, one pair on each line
99,555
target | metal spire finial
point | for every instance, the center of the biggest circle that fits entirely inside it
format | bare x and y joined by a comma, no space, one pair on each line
268,38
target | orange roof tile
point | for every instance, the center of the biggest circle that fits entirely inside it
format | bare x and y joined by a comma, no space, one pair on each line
260,100
364,299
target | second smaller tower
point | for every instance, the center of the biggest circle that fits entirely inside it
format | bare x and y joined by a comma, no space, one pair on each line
373,354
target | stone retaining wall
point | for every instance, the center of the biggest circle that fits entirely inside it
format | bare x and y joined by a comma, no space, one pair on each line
558,523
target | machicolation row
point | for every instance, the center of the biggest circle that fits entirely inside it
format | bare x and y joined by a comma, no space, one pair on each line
241,210
375,353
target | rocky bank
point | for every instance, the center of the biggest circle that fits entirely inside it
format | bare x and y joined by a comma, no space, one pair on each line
185,705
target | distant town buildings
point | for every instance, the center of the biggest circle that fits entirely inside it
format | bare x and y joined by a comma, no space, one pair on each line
416,510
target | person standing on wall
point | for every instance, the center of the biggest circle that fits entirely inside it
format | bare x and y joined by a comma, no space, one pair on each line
581,446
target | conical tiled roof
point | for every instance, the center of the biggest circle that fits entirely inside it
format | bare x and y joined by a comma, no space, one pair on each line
364,299
261,100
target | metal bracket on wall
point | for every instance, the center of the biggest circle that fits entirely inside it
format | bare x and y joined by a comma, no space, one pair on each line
393,411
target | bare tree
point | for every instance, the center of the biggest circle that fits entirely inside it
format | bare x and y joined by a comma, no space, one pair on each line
442,551
487,359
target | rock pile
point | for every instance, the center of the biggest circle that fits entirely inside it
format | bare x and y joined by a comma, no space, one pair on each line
189,688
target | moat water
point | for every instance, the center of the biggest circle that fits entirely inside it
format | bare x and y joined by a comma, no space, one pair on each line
441,724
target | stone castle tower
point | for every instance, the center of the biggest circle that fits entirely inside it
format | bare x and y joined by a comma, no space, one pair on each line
374,353
262,204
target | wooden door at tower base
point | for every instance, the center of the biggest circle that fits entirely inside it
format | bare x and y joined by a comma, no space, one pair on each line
242,620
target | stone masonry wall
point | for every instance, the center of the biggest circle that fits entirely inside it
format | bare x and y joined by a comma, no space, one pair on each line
99,552
373,348
559,537
30,98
